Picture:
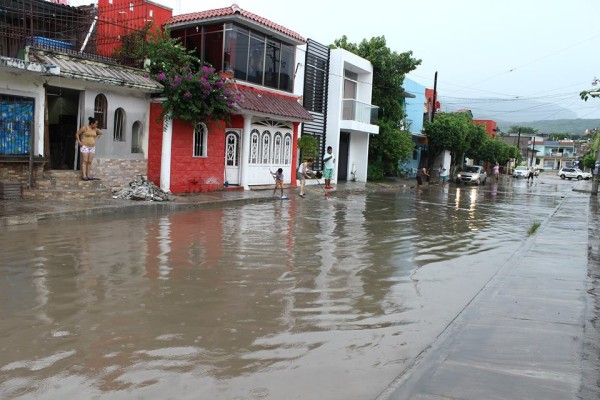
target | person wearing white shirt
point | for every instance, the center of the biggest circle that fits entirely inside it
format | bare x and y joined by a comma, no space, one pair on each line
328,160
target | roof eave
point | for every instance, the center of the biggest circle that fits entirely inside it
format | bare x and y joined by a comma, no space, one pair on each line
247,22
112,81
254,113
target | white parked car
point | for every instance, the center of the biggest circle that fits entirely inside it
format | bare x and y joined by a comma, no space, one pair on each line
521,171
570,173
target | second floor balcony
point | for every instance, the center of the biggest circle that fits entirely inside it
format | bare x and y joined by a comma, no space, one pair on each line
353,110
559,154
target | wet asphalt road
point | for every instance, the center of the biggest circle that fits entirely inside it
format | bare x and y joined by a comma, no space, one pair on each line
352,297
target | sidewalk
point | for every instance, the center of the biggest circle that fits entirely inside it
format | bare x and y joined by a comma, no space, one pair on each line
529,332
18,212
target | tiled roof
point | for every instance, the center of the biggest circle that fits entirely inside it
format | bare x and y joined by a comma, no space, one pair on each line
271,103
234,10
76,68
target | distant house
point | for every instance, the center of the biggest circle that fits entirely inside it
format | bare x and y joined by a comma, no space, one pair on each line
262,58
491,127
552,154
416,107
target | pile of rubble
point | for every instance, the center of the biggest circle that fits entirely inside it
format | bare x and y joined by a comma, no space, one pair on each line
142,189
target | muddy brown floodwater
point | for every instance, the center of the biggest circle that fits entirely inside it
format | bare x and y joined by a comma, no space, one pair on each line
302,299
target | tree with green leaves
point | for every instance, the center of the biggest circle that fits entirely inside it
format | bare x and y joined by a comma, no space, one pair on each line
392,144
194,91
448,131
476,141
525,130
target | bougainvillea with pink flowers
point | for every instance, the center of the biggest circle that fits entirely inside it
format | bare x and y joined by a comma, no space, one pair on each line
192,91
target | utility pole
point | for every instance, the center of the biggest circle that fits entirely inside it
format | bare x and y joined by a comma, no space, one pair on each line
519,146
532,165
434,95
596,174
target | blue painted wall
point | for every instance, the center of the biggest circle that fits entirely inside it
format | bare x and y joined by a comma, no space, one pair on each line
415,107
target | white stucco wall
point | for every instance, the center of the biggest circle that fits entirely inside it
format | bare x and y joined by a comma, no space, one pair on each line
136,106
340,61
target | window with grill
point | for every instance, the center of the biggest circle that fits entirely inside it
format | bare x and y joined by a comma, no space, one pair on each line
100,108
200,140
119,126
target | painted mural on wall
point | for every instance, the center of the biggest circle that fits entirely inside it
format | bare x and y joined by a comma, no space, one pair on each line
16,124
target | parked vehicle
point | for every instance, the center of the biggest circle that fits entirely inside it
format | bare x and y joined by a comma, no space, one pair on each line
520,172
472,174
570,173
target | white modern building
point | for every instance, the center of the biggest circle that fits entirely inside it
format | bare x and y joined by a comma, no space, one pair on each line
350,115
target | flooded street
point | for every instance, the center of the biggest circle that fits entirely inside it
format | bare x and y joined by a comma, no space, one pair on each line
309,298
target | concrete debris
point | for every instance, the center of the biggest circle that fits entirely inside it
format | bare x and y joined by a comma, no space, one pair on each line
142,189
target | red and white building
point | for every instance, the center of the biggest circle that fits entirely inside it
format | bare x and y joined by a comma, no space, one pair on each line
261,56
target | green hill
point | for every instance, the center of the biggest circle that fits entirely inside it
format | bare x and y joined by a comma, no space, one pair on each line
570,126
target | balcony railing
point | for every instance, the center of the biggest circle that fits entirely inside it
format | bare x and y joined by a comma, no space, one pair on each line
361,112
559,154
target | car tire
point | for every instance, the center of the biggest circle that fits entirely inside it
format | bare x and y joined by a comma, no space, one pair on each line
562,176
579,177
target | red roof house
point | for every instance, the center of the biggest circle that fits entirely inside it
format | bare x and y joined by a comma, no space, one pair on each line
260,55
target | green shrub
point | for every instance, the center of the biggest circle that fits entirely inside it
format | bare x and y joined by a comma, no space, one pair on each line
375,172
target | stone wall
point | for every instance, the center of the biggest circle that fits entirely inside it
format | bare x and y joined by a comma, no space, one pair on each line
117,174
19,171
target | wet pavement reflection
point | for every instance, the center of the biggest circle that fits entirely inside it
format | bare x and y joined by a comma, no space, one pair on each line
306,298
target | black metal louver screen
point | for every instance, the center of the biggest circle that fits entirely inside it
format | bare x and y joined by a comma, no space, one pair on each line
316,73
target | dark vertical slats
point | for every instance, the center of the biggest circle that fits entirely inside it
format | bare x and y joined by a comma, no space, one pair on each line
316,81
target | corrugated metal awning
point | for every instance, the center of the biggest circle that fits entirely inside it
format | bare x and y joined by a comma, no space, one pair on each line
79,68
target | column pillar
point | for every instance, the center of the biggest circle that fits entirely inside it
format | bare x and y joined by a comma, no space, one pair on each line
165,157
245,151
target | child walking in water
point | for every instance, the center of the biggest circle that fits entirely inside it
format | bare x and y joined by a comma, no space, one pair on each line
278,176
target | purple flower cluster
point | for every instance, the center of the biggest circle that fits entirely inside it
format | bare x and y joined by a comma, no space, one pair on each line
195,96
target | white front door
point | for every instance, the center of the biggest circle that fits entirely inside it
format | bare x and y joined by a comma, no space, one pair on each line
232,157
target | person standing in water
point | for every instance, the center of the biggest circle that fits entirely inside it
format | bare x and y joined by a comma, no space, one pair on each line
302,173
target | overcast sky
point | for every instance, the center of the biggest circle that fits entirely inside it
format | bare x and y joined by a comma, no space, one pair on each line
515,51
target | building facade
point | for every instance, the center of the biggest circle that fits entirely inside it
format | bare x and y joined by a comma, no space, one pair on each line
261,58
351,118
56,79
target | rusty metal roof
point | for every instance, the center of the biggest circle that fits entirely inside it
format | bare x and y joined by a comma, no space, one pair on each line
272,104
80,68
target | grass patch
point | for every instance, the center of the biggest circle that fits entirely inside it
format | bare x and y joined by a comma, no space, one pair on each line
533,228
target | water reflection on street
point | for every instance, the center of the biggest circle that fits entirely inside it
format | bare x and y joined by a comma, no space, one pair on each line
307,298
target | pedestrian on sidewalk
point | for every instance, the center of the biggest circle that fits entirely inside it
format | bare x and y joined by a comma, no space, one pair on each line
278,176
328,160
302,173
87,136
